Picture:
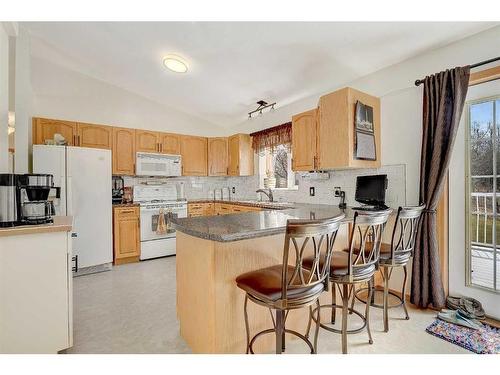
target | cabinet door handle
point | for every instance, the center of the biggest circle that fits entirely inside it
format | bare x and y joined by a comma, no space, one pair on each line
127,212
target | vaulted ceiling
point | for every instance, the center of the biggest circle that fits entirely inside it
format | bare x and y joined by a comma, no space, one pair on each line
232,65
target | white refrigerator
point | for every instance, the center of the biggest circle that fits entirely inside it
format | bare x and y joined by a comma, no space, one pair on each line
84,176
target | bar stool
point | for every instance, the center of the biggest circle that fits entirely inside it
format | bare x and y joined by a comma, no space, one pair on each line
289,285
354,265
396,254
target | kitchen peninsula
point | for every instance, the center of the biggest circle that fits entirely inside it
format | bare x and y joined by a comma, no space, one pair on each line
212,251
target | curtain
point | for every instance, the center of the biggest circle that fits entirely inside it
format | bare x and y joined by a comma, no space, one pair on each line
272,137
443,102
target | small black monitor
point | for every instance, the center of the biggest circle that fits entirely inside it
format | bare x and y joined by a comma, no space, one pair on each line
370,190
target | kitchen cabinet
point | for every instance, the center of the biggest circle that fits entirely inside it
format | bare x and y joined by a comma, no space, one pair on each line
336,130
217,157
223,209
241,155
147,141
44,129
304,132
126,234
324,138
170,143
200,209
94,136
194,155
36,289
123,151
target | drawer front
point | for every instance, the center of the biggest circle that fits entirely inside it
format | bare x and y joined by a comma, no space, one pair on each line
126,211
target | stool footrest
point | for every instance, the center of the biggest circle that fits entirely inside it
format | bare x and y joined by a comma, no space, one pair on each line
331,329
378,290
271,330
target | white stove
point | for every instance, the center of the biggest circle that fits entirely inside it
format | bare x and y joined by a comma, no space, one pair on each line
154,201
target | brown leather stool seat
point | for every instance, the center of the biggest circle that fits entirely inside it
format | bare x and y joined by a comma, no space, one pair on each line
339,265
265,284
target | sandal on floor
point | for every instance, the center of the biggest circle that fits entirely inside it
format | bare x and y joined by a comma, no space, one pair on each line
455,317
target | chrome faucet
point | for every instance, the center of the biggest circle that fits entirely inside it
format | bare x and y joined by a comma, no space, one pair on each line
268,193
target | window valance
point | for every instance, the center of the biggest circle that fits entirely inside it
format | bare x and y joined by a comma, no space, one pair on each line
272,137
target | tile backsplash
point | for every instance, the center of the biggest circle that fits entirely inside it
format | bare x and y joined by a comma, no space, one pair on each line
245,187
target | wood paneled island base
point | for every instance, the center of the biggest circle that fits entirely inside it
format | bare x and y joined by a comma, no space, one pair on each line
210,305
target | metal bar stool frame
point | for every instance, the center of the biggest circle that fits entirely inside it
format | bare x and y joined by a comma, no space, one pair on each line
362,264
321,234
403,238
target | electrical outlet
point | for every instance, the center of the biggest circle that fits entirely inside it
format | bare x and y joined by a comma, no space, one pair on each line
337,190
233,190
312,191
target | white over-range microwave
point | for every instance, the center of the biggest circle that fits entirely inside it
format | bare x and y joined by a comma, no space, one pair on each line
149,164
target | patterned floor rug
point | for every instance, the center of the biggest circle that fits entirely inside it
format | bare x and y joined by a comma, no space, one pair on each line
483,341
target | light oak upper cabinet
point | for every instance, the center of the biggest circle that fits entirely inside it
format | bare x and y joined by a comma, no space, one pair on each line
304,134
126,234
336,130
217,157
123,151
194,155
240,155
147,141
44,129
170,143
94,136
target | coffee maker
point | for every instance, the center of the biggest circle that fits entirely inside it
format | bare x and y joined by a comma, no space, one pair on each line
33,204
8,200
117,189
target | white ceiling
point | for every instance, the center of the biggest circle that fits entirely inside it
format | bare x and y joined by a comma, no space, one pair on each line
232,65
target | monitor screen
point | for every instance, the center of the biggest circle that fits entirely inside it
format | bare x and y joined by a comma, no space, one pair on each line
371,189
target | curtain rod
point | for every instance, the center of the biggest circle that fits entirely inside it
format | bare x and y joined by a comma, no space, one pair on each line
420,81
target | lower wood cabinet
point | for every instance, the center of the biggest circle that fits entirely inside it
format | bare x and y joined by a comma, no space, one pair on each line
126,234
200,209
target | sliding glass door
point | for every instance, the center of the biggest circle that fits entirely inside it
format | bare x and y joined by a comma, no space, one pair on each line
483,193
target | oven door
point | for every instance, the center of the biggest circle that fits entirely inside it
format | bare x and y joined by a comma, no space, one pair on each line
150,218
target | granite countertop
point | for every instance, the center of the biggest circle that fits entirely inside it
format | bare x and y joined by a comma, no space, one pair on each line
60,224
226,228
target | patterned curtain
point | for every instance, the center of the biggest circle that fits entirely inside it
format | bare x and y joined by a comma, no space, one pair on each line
272,137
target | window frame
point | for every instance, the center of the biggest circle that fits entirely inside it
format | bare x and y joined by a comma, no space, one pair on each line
291,173
496,194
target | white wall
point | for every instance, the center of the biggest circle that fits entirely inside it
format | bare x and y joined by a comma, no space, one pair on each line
4,100
22,101
66,94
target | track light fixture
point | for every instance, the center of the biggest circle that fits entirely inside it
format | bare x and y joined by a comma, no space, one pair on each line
262,104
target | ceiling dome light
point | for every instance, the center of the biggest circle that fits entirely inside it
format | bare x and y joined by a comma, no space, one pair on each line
175,64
